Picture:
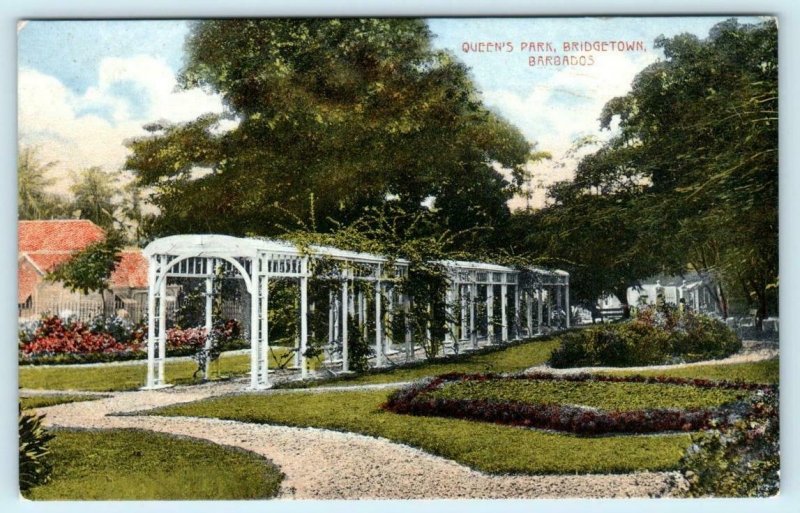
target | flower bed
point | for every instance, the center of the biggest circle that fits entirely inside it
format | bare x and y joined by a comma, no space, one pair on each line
53,340
430,398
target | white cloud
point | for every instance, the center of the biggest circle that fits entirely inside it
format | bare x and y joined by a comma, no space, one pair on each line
82,130
556,110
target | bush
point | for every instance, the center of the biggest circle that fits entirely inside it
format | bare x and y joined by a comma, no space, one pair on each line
57,336
741,459
34,467
655,336
121,329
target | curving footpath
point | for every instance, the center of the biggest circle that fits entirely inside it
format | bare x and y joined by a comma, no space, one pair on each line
324,464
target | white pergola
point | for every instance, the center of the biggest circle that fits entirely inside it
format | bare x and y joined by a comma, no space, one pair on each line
256,262
472,283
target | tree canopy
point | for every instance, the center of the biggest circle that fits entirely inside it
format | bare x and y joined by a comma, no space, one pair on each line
690,179
353,113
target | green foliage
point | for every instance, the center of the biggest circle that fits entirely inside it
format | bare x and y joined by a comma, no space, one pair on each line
689,181
654,337
34,454
93,193
34,201
356,112
127,464
742,460
90,268
607,396
487,447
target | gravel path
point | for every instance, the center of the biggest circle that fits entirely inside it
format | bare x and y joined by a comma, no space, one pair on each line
322,464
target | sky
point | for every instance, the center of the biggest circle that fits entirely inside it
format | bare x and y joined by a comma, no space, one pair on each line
84,87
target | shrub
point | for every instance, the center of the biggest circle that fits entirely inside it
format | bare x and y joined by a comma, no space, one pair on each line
655,336
741,459
54,335
121,329
34,467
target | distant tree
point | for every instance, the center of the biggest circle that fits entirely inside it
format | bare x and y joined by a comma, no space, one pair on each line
90,269
94,192
690,179
356,112
33,199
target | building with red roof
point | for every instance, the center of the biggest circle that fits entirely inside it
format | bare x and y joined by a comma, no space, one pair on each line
43,245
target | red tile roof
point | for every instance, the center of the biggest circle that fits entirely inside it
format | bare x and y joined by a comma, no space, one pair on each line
43,245
57,235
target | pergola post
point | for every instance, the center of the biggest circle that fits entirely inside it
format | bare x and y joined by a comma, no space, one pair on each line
162,322
388,332
529,311
566,301
151,322
448,313
539,313
345,352
473,296
409,340
490,310
303,318
331,311
504,313
378,324
517,316
462,293
550,307
209,313
265,331
559,298
254,338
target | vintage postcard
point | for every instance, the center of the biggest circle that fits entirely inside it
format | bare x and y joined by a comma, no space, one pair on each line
398,258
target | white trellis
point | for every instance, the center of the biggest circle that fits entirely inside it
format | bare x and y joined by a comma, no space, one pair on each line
256,262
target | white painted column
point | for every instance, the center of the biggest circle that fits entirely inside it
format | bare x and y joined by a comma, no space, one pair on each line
517,308
462,294
265,331
539,312
473,296
448,312
209,311
566,301
330,317
162,325
255,352
151,322
490,312
345,353
529,311
388,332
378,324
504,312
409,340
559,304
304,318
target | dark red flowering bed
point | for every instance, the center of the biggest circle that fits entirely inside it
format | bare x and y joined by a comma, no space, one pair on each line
431,398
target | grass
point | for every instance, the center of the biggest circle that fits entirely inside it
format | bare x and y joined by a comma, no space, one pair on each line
484,446
129,464
596,394
43,401
108,378
764,371
506,359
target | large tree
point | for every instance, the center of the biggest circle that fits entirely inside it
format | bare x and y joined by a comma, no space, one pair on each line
690,180
350,112
34,200
94,192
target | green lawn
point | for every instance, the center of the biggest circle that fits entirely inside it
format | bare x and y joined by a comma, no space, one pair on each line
105,378
765,371
488,447
596,394
43,401
509,359
137,465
